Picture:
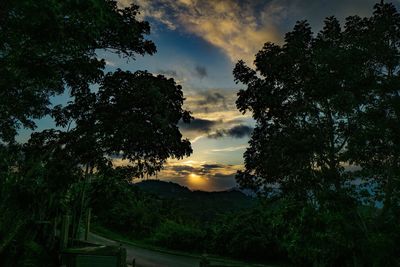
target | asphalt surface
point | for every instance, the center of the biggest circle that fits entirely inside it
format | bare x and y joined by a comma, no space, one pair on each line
150,258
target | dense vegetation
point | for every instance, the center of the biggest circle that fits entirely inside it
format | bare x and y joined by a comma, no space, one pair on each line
324,157
50,48
169,215
326,143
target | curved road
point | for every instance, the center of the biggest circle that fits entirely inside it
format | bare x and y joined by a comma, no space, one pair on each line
150,258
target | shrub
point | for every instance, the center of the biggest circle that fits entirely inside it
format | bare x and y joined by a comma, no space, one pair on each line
174,235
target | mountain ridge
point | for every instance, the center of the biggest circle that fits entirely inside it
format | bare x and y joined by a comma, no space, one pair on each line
201,204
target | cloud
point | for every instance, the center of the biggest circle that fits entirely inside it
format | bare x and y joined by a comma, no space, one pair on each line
240,131
229,149
110,63
237,131
209,176
230,26
213,98
201,71
240,28
211,102
212,166
170,73
233,26
198,125
214,109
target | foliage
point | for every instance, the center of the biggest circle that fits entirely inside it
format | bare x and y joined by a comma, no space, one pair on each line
375,144
325,105
120,206
177,235
49,48
43,42
133,116
250,235
304,105
197,205
278,230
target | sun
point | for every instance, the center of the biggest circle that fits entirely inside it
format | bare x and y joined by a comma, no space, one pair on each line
196,179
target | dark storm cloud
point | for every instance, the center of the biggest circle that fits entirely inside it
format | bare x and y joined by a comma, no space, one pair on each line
201,71
238,131
198,125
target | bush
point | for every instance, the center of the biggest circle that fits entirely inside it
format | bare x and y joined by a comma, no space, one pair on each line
174,235
248,235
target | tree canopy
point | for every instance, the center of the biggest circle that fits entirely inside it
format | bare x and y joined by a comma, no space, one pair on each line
50,48
325,149
322,103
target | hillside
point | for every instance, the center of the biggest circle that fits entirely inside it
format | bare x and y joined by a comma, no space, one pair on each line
200,204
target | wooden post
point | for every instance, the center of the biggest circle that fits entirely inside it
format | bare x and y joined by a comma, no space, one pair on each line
87,228
64,231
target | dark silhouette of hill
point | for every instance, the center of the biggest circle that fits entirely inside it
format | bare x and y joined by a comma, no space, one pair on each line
164,189
200,204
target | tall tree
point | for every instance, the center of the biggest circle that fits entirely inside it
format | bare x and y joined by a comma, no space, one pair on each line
375,146
304,102
47,46
324,103
51,47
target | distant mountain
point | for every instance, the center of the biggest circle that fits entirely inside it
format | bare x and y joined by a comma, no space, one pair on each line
203,205
163,189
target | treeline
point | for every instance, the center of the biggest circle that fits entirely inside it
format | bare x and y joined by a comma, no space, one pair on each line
168,222
277,230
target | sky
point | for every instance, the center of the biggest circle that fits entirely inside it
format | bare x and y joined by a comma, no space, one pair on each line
198,44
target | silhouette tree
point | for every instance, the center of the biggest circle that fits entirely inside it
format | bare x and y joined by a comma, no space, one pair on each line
322,103
133,116
305,102
47,47
375,146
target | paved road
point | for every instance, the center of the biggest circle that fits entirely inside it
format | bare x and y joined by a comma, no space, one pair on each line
149,258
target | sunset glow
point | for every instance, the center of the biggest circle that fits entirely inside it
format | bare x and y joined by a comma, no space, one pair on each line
198,45
196,180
